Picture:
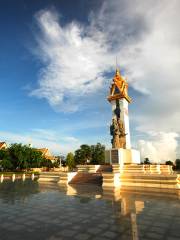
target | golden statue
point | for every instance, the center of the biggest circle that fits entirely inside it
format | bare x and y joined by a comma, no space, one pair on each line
119,88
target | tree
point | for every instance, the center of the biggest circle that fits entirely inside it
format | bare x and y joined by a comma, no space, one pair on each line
5,161
177,162
6,165
36,159
83,155
169,163
56,164
98,154
60,161
147,161
70,161
46,163
19,157
94,154
25,157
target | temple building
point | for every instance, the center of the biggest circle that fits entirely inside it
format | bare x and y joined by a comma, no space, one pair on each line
47,154
3,145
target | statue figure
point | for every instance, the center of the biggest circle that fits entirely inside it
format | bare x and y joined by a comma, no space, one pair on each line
121,83
118,133
117,110
114,129
122,136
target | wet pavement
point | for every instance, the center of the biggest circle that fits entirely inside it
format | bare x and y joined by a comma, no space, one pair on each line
48,211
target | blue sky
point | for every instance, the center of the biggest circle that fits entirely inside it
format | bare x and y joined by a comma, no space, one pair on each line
57,61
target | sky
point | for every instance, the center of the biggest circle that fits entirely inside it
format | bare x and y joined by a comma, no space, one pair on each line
58,59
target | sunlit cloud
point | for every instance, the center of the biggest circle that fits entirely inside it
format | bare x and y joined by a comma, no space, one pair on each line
43,138
74,61
77,57
160,148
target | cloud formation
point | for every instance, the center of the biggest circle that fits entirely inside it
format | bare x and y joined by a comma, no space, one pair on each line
43,138
145,35
160,148
74,61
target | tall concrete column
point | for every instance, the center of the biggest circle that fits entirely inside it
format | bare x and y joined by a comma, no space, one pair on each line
124,116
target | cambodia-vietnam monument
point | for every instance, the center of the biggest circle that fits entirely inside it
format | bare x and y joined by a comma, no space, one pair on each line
121,151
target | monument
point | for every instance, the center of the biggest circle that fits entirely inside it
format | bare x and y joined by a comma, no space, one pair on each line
121,152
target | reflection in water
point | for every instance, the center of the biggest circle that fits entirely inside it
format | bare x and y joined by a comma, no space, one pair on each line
52,211
10,191
134,227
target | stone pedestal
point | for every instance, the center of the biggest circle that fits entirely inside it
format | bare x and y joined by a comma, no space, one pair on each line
122,156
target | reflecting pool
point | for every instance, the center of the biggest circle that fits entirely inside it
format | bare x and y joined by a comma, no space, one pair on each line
48,211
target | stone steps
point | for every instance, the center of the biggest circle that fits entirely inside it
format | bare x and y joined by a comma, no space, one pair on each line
116,168
63,178
49,177
111,179
88,168
171,181
134,169
104,168
93,178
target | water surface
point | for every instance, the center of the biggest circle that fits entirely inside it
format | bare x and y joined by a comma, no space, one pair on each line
31,210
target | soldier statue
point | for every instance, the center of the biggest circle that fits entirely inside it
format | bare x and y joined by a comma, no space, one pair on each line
118,133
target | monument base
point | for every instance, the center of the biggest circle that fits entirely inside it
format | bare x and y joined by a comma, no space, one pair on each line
122,156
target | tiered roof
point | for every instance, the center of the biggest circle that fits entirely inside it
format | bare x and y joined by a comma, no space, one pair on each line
119,88
3,145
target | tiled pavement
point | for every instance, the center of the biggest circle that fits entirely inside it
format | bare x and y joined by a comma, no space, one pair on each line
28,212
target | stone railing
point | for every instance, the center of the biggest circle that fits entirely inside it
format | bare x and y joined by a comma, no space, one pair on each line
15,176
143,169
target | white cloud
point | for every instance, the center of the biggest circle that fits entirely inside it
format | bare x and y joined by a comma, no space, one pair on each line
149,49
74,61
160,148
145,35
153,64
43,139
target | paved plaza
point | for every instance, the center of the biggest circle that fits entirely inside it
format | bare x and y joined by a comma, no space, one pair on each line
29,210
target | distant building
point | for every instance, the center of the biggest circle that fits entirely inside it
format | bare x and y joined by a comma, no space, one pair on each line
3,145
47,154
